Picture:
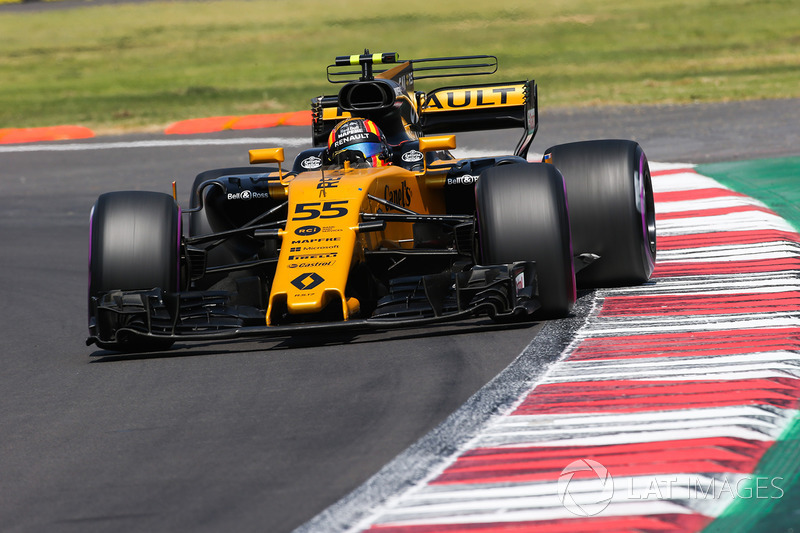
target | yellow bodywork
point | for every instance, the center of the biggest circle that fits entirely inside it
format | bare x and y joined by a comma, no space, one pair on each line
321,241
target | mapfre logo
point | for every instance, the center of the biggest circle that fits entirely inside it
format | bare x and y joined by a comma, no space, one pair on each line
350,128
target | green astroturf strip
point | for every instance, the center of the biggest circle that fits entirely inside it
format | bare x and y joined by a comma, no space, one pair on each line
774,487
776,182
769,498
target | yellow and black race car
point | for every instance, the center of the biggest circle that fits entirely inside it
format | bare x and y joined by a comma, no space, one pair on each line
377,225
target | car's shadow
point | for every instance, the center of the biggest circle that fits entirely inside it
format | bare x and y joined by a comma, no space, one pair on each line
300,341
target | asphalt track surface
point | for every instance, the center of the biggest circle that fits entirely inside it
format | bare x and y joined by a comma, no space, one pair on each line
258,435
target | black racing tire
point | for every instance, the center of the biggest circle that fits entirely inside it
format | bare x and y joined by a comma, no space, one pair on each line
522,216
612,212
134,245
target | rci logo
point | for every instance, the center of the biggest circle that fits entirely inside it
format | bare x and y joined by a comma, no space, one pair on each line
307,281
307,230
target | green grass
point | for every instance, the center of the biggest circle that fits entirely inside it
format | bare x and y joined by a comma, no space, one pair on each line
137,65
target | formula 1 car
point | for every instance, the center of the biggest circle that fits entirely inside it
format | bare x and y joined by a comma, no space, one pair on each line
377,225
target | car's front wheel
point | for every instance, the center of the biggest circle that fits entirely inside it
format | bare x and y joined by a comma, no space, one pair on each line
134,245
522,216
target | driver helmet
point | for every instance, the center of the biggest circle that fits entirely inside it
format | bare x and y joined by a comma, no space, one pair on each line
358,140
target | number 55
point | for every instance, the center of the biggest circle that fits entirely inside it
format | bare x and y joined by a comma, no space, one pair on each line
311,210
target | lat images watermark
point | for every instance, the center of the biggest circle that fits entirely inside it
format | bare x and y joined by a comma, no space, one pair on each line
586,487
696,487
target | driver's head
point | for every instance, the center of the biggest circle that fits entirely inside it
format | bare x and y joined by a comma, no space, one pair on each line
358,140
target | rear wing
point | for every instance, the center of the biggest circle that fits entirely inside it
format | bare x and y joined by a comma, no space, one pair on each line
482,107
387,96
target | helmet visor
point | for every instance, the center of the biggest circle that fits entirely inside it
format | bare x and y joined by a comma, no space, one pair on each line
368,149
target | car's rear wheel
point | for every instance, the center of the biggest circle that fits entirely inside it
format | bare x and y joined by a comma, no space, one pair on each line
134,245
522,216
611,208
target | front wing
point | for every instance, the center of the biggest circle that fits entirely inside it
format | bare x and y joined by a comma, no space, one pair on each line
499,291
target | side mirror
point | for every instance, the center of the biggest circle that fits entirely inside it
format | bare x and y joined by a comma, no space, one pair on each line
268,155
433,144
